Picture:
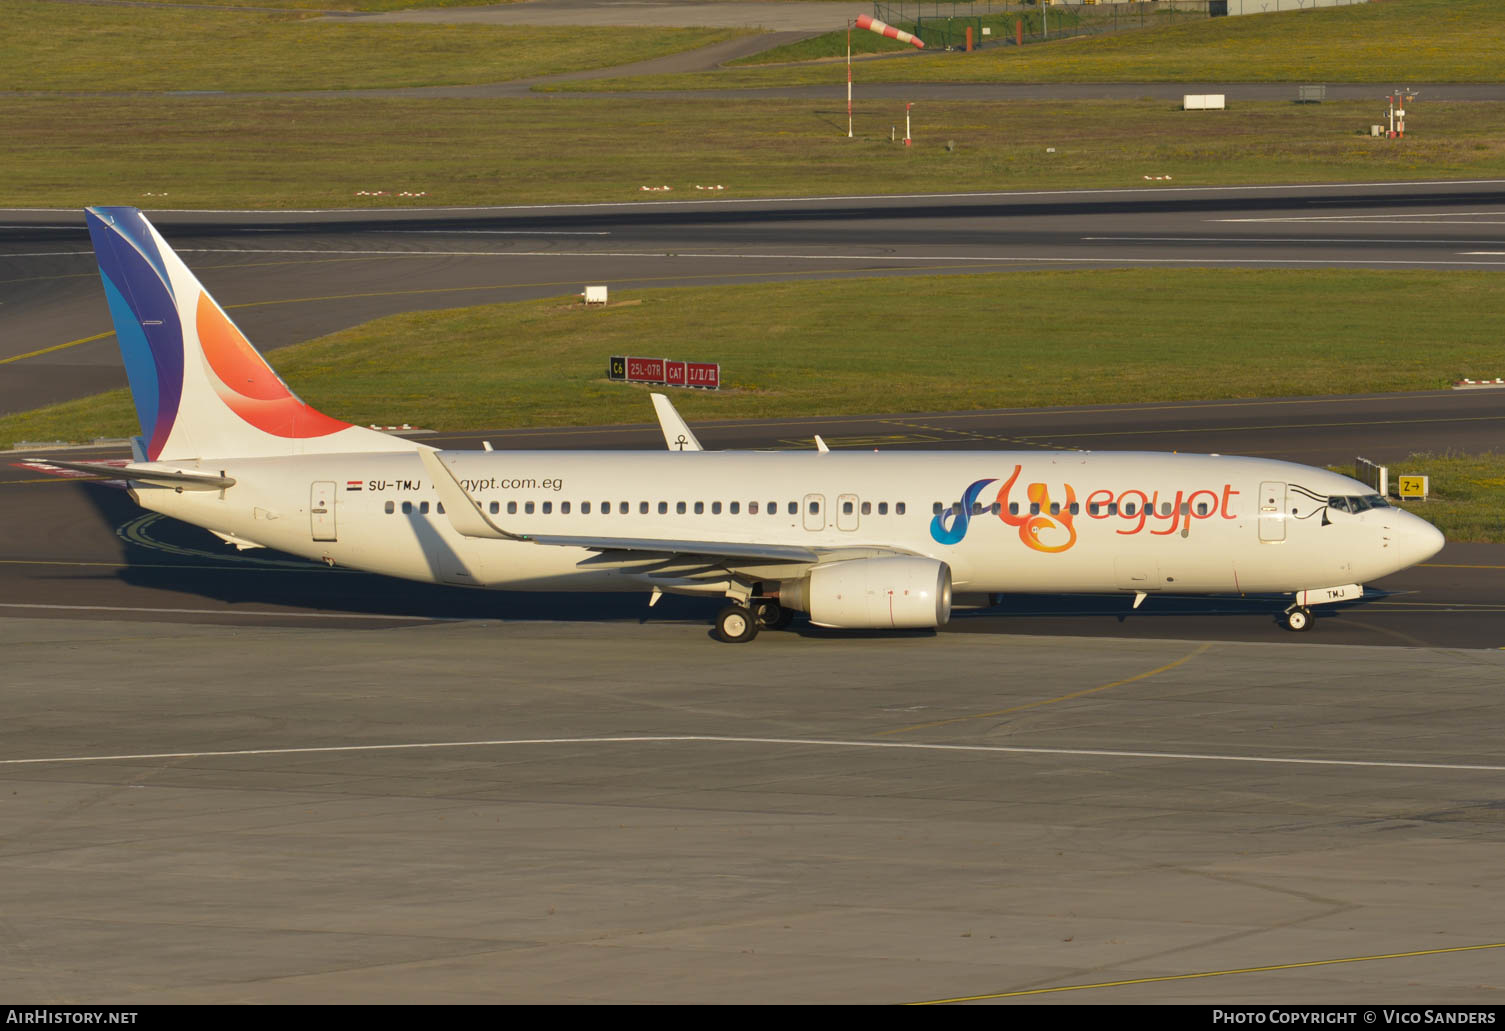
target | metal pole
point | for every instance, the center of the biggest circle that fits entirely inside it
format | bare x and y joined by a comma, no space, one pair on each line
849,80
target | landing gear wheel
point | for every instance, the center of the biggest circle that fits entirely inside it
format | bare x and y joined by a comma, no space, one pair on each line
735,624
771,615
1299,619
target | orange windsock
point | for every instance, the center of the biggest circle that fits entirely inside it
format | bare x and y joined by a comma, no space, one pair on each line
867,21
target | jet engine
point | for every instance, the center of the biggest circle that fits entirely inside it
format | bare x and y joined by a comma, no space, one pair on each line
895,592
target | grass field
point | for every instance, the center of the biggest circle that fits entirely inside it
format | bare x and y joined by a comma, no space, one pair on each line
1467,497
343,5
63,46
284,153
1016,338
1395,42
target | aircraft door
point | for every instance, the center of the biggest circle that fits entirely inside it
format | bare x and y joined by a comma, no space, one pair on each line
321,510
847,516
1272,511
815,511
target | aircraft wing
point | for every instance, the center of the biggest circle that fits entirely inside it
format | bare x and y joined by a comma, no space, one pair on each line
729,550
469,518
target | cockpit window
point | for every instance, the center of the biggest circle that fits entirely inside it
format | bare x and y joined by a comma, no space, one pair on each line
1356,503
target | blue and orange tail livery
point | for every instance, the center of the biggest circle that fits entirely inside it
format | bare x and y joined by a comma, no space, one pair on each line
201,390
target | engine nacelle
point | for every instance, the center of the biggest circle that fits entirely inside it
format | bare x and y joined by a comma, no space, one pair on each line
870,593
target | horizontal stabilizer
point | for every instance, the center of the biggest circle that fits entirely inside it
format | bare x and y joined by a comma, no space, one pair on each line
180,479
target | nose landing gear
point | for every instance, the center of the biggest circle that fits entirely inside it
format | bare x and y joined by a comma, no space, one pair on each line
1297,618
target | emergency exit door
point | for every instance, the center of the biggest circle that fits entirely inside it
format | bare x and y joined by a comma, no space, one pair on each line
321,510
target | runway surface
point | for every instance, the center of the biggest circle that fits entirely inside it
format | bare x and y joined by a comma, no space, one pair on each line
287,277
553,812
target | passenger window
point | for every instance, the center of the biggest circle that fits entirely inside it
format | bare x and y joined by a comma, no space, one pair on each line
1013,508
642,508
700,508
1034,508
548,507
1165,508
883,508
899,508
407,508
846,508
663,508
1055,508
1186,508
956,508
1113,508
495,508
752,508
1092,508
715,508
1128,508
512,508
736,507
977,508
1076,508
528,507
423,508
564,508
390,508
440,508
935,508
679,508
1201,508
794,508
815,508
622,508
867,508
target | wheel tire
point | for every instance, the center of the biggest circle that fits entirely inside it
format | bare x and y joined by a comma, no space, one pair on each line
771,615
1299,620
735,625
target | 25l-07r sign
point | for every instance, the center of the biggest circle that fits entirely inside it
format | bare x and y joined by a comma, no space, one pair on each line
705,375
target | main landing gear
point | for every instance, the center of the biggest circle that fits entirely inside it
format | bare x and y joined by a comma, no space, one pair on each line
736,624
1297,618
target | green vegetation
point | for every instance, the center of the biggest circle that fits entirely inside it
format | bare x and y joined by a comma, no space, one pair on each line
341,5
925,343
63,46
1398,41
299,153
1467,501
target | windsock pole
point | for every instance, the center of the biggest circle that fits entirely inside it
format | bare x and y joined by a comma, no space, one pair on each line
849,80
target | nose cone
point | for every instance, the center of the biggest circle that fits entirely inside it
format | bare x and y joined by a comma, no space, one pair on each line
1416,540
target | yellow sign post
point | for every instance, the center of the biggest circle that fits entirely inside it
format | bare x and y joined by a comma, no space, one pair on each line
1411,486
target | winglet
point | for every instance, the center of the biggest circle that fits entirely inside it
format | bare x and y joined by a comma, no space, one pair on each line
465,513
676,433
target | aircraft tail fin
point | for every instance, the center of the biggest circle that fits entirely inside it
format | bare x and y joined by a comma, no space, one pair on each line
201,390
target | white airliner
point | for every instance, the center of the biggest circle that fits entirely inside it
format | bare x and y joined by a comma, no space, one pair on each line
854,539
